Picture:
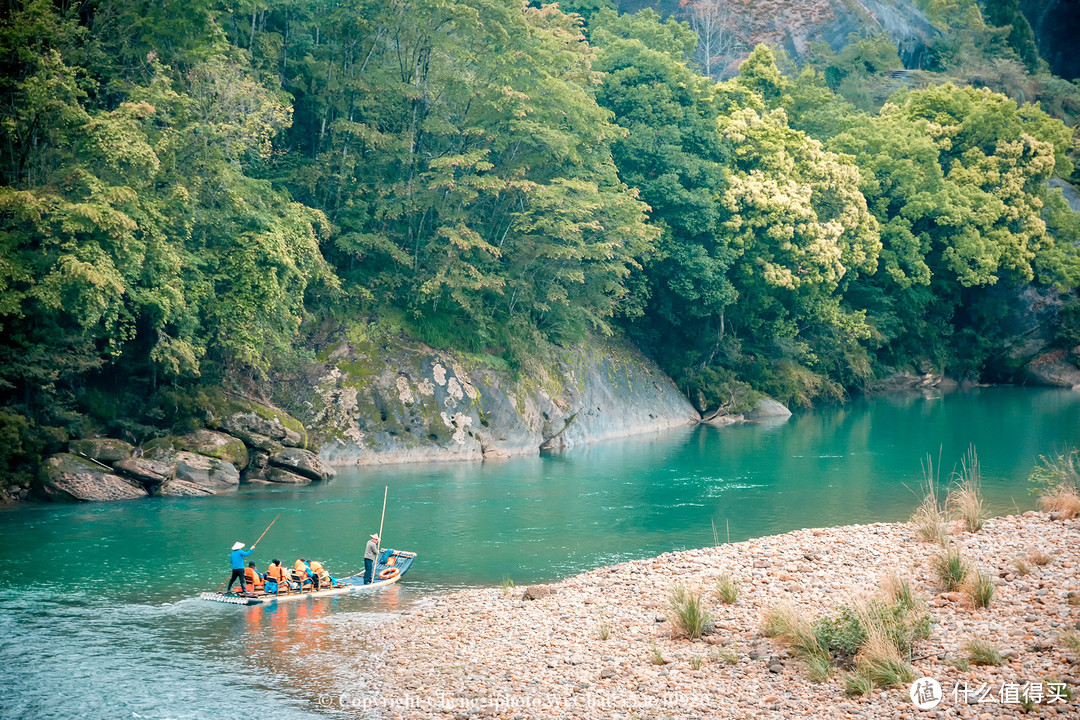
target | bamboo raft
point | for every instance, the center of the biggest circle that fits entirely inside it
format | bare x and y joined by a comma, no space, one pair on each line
393,564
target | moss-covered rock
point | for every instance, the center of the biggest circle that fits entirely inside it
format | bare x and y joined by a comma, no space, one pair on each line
215,444
104,450
246,419
70,477
163,449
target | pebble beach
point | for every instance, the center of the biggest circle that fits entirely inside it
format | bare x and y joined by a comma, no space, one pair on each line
604,644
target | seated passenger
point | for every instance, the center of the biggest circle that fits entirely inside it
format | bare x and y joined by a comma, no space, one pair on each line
315,579
300,573
326,580
275,577
253,581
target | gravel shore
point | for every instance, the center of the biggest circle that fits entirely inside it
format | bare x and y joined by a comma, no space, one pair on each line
588,646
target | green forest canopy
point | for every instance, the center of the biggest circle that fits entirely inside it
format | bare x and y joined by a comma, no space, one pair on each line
189,189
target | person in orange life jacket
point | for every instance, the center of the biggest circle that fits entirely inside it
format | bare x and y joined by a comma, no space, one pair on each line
371,554
315,579
300,572
236,558
253,580
275,576
325,578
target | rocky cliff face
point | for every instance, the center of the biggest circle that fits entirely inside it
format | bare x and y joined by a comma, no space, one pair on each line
1057,25
1030,354
795,24
414,404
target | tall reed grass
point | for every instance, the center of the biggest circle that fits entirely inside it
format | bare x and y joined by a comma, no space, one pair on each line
965,500
930,519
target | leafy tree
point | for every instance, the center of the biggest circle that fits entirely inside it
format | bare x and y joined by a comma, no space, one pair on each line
674,155
957,177
459,151
134,247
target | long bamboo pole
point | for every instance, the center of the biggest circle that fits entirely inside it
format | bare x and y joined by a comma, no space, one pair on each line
265,531
253,547
378,545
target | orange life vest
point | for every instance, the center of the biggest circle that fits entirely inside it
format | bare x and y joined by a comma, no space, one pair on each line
316,567
300,569
276,573
251,575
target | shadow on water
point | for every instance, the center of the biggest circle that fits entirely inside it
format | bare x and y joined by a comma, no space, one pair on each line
102,623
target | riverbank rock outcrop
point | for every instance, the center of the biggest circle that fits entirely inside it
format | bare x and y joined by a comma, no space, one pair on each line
102,450
302,462
70,477
411,403
197,464
259,426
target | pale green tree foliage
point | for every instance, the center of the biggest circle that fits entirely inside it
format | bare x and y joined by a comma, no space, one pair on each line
802,232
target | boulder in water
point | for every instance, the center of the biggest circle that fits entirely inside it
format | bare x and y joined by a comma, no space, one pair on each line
207,472
302,462
1056,368
182,488
70,477
769,411
104,450
257,468
279,475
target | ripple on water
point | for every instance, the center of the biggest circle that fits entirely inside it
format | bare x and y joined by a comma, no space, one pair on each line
72,656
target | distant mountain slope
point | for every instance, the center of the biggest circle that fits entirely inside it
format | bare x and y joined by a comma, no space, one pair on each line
794,24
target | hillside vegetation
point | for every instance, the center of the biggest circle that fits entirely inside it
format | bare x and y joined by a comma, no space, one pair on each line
190,194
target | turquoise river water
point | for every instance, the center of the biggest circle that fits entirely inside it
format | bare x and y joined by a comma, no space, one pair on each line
98,609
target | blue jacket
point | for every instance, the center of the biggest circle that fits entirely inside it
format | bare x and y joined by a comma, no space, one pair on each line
237,558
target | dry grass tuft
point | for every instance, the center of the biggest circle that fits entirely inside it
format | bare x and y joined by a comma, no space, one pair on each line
898,589
727,654
1065,501
979,588
930,519
655,656
1039,557
965,501
881,661
792,628
1058,479
1071,640
980,652
727,590
951,568
688,614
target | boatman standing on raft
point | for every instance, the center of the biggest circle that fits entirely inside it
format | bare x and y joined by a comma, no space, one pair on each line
371,553
236,557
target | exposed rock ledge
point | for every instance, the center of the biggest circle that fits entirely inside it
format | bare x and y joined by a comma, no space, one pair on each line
415,404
